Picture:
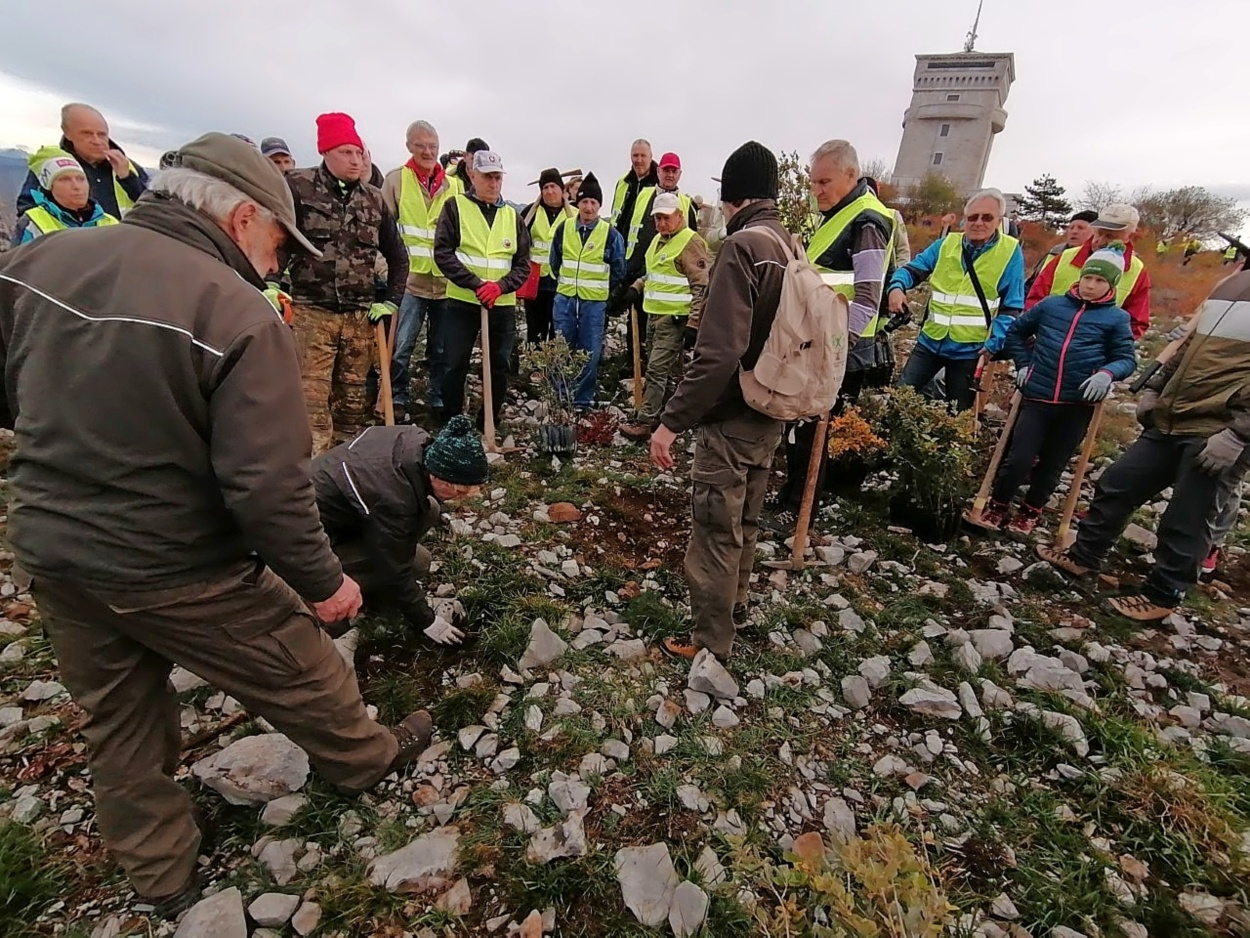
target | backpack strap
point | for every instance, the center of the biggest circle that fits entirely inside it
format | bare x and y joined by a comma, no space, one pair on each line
976,285
794,248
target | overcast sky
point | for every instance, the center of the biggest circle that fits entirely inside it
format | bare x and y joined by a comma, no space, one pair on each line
1144,92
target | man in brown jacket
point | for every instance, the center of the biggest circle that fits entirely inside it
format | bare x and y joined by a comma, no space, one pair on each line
180,442
336,303
1195,412
735,444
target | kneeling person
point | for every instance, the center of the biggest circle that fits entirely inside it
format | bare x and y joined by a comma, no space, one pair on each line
378,496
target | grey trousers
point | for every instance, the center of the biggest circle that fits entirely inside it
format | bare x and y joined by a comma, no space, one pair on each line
732,459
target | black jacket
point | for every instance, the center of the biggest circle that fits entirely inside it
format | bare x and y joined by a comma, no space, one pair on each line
633,185
375,490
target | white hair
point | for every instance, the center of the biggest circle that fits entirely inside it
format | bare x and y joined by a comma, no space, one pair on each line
67,109
841,152
641,142
995,194
208,194
420,125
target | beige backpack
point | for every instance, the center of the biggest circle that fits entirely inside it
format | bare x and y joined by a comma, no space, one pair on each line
800,370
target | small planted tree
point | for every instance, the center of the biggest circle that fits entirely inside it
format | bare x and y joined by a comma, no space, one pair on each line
559,367
933,195
1043,201
794,201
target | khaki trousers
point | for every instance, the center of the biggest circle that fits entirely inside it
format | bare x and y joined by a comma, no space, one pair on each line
664,364
245,632
732,459
336,350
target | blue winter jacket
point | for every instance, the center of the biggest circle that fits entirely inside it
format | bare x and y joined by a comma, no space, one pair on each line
1072,339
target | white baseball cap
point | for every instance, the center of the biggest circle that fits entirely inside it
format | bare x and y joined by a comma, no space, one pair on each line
1117,216
665,204
488,161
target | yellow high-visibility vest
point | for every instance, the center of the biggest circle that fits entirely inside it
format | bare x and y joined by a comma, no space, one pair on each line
45,222
418,220
843,281
642,208
542,233
1067,274
584,272
954,309
667,290
487,250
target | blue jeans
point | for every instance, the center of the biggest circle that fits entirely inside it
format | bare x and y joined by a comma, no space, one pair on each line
413,313
582,323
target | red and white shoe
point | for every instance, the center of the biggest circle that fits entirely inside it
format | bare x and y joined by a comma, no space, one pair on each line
1025,521
994,515
1210,562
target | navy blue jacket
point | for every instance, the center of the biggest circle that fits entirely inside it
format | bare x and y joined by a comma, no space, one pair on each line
1072,339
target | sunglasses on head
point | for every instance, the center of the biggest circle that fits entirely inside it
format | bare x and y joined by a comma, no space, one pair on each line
984,216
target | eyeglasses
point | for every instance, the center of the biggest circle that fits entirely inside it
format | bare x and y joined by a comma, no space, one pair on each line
984,216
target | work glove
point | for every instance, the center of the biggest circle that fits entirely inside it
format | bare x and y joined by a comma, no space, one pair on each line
1022,376
488,293
1096,386
1145,409
280,300
443,632
689,336
379,311
1177,333
1222,451
623,300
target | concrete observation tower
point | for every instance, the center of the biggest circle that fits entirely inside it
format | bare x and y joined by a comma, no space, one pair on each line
957,106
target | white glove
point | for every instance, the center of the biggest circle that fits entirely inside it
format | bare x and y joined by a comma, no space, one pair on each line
443,632
1177,333
1022,376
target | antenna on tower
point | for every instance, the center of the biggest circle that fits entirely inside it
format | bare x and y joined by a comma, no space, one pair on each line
971,41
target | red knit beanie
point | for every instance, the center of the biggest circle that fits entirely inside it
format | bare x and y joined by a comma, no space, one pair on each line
335,130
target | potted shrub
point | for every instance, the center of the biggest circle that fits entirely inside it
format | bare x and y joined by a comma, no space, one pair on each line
933,456
854,450
558,367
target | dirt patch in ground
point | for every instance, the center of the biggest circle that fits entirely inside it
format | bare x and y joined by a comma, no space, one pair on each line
636,530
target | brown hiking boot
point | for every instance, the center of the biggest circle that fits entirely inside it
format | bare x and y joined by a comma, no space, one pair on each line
637,430
1140,608
170,907
1060,559
413,735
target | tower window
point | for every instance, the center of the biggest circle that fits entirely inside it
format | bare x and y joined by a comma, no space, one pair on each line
945,131
952,97
937,159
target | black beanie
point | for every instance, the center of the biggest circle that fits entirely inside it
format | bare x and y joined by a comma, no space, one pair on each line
1086,216
550,174
590,189
456,455
749,173
475,144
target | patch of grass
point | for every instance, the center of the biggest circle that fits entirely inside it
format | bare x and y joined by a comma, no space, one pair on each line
654,619
395,694
461,707
31,879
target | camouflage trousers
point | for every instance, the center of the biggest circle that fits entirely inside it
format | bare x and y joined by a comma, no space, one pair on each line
336,352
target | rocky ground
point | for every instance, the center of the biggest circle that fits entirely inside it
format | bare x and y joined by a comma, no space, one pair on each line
919,738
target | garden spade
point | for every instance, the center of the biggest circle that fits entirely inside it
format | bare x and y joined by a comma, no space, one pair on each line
384,373
1063,534
973,515
633,325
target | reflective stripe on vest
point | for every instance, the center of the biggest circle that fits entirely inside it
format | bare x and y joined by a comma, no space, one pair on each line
583,271
541,236
45,222
843,281
417,221
954,310
667,291
642,208
485,250
1067,274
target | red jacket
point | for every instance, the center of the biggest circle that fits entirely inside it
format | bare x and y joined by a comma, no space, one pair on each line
1136,304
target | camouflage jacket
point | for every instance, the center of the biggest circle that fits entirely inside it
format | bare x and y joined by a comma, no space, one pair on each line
351,226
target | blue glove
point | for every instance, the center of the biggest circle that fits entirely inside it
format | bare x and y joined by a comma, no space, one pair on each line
379,311
1096,386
